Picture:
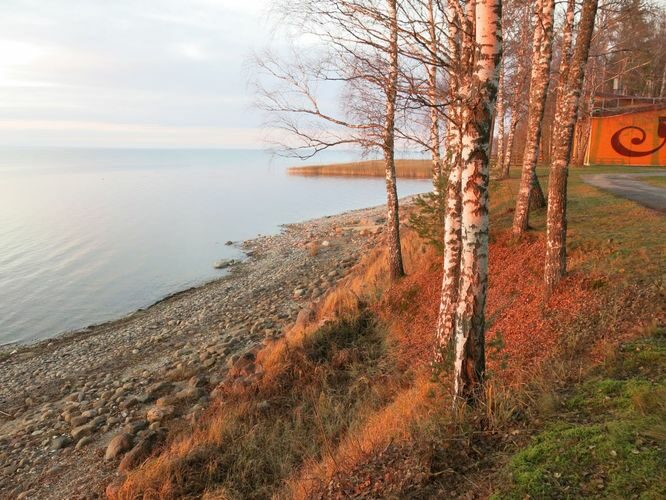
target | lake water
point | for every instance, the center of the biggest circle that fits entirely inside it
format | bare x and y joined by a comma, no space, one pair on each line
90,235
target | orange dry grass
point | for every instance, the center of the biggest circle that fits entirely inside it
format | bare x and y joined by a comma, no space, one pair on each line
368,278
153,479
392,423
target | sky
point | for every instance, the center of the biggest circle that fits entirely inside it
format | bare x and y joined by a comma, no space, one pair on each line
130,73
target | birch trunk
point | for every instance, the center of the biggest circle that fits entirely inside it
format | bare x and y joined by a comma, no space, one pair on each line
396,269
540,77
434,114
565,121
509,144
451,266
480,93
452,207
662,92
500,123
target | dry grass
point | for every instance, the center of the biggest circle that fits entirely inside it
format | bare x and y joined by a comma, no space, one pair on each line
405,169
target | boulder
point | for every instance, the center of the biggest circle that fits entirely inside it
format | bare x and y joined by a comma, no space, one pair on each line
158,413
60,442
83,430
224,263
84,441
135,426
78,421
118,445
141,450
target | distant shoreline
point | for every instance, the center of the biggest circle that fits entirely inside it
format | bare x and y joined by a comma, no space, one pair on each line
405,169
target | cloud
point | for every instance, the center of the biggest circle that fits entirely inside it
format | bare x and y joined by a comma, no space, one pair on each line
191,50
174,64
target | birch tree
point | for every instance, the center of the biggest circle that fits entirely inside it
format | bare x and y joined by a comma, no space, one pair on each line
571,78
479,93
542,55
460,45
500,119
516,56
360,52
433,92
396,269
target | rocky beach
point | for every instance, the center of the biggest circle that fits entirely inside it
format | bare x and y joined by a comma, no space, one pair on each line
79,409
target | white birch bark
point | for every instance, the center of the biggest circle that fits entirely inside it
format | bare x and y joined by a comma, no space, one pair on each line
509,144
500,117
434,113
480,93
540,77
452,211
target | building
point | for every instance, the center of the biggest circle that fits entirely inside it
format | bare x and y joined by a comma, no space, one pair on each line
626,130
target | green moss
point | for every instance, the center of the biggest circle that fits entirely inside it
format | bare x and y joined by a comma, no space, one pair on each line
611,441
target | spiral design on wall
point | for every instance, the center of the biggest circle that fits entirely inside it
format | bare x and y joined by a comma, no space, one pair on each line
636,141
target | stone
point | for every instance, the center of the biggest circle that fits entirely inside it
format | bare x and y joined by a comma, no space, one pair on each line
224,263
78,421
118,445
189,393
157,413
165,401
84,441
90,413
60,442
135,426
128,403
141,450
197,381
83,430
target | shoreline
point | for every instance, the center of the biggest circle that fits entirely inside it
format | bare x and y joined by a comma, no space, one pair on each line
243,246
62,399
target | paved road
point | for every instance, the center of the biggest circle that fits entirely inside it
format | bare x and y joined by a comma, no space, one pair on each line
630,186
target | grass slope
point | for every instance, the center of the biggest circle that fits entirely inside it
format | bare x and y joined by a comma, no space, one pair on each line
345,405
609,438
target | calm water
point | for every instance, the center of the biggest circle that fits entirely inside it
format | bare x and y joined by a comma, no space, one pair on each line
89,235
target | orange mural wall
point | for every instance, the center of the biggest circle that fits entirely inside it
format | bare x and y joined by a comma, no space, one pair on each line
637,138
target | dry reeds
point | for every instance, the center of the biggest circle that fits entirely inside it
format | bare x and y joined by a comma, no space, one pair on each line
406,169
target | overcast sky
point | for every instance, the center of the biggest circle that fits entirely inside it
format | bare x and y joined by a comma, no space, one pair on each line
129,73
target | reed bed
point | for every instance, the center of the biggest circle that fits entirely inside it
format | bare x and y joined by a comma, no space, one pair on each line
406,169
